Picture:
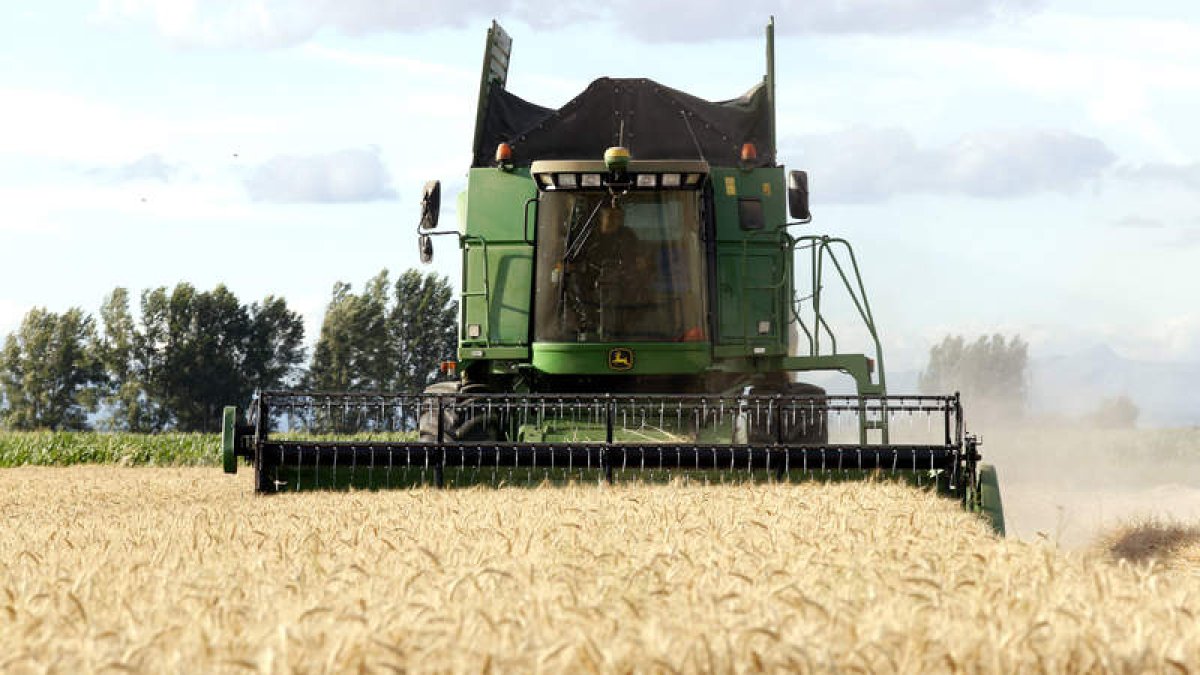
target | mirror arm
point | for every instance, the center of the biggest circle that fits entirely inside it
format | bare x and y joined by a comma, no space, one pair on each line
423,238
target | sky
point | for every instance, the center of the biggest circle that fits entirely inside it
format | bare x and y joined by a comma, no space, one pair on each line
1026,167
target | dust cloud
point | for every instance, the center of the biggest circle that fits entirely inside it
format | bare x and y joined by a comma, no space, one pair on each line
1071,485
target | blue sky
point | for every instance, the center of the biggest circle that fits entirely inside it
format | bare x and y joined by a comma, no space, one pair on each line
1001,165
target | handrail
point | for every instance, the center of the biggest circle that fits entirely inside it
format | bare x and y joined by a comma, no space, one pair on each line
486,293
820,247
819,276
525,223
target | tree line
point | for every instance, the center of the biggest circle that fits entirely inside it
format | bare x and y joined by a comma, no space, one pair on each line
186,353
174,358
992,374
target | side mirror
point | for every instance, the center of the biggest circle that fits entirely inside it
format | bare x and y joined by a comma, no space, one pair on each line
425,243
798,195
431,205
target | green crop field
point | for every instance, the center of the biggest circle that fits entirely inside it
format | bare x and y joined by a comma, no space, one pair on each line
66,448
63,448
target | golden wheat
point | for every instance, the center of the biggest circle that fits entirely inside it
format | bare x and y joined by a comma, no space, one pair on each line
183,570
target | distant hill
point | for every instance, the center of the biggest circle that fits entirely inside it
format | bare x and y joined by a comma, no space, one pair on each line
1166,393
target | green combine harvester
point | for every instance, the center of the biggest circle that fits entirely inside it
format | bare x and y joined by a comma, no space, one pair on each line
635,304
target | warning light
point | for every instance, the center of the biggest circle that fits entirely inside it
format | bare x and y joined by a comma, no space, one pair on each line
503,153
749,152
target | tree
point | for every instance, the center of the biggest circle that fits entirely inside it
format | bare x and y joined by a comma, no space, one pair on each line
205,350
121,351
1115,413
192,353
196,343
275,348
389,338
47,374
991,373
424,326
379,352
340,355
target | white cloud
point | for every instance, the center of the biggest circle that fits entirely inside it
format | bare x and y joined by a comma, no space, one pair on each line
45,123
149,167
1169,339
276,23
709,19
71,208
1013,163
1122,74
863,165
1168,234
1188,237
120,142
279,23
1137,222
352,175
389,62
27,210
1067,55
1182,175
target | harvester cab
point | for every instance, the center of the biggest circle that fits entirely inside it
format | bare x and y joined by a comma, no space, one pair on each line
634,302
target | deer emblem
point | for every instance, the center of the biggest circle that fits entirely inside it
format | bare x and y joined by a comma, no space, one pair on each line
620,358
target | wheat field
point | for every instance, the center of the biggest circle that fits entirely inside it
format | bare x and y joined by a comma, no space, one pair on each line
184,570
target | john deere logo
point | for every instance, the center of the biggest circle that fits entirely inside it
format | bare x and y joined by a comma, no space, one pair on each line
620,358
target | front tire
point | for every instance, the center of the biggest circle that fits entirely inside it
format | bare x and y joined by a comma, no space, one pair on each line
802,425
464,418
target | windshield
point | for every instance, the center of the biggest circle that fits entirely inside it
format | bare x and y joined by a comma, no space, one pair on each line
633,271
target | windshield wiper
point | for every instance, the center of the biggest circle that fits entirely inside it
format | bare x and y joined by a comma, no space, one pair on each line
575,247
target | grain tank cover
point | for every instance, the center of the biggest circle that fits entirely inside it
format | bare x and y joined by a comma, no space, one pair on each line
659,123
